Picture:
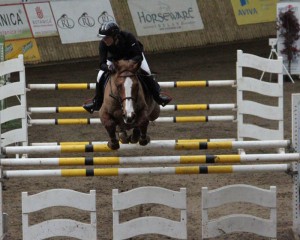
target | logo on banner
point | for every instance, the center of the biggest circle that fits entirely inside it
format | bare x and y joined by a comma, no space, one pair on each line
86,21
9,48
39,12
105,17
27,46
244,2
11,19
166,16
64,22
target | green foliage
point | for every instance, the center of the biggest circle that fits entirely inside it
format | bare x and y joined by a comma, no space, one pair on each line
289,28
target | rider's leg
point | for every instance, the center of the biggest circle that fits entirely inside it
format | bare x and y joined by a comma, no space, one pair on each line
96,104
152,85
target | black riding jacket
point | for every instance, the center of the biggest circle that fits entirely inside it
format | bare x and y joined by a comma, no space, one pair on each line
126,47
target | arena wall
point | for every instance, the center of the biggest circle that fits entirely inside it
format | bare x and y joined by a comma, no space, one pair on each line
220,27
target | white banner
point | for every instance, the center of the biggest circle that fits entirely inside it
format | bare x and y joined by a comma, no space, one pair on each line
13,22
22,1
295,64
10,1
79,21
41,19
164,16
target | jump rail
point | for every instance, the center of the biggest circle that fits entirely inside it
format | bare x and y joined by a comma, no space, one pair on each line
174,84
148,170
166,144
84,121
187,159
178,107
153,141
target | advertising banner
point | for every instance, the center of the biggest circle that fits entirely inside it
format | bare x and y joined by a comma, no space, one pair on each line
13,22
41,19
11,1
254,11
295,63
27,47
164,16
79,21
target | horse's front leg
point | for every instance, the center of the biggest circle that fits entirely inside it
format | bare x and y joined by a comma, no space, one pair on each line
144,138
110,126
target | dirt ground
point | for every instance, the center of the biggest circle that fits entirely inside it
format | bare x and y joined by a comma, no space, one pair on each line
210,63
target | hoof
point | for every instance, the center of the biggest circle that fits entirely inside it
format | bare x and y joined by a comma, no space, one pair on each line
114,145
124,138
144,141
135,137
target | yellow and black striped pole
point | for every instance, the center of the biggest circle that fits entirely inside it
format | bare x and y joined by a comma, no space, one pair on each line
147,171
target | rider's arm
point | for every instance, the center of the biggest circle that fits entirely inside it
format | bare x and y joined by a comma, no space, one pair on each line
135,48
103,56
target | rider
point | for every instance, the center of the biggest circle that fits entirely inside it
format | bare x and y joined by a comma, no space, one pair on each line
115,45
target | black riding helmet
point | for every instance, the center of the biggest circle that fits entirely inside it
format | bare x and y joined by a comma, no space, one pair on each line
110,29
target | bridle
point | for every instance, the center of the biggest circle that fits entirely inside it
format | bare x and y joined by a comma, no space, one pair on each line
117,96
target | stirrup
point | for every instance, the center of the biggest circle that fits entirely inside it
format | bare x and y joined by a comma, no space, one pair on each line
164,99
92,105
89,107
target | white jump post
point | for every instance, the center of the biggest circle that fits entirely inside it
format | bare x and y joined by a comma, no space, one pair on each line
17,135
296,146
18,90
268,89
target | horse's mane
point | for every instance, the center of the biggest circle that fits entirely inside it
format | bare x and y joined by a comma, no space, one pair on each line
126,65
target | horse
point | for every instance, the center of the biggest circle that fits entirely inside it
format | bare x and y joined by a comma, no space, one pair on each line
127,106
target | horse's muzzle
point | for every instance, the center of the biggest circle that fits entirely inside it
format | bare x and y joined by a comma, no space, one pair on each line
129,118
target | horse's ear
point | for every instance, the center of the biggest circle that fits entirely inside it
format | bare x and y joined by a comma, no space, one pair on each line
139,64
135,65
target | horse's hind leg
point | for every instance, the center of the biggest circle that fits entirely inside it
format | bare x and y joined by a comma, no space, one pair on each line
123,137
134,138
144,138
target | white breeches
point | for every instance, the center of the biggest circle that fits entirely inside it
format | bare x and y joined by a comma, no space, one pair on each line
144,66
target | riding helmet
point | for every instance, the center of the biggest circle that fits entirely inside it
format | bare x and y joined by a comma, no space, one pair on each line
110,29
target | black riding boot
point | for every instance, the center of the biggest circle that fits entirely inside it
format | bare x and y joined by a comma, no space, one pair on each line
96,104
154,89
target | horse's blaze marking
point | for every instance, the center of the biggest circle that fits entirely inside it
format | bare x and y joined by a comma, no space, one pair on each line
128,102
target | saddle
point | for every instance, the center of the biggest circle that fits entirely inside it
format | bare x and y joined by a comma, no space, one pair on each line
143,78
104,79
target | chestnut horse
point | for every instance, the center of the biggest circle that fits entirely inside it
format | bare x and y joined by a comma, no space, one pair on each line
126,106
